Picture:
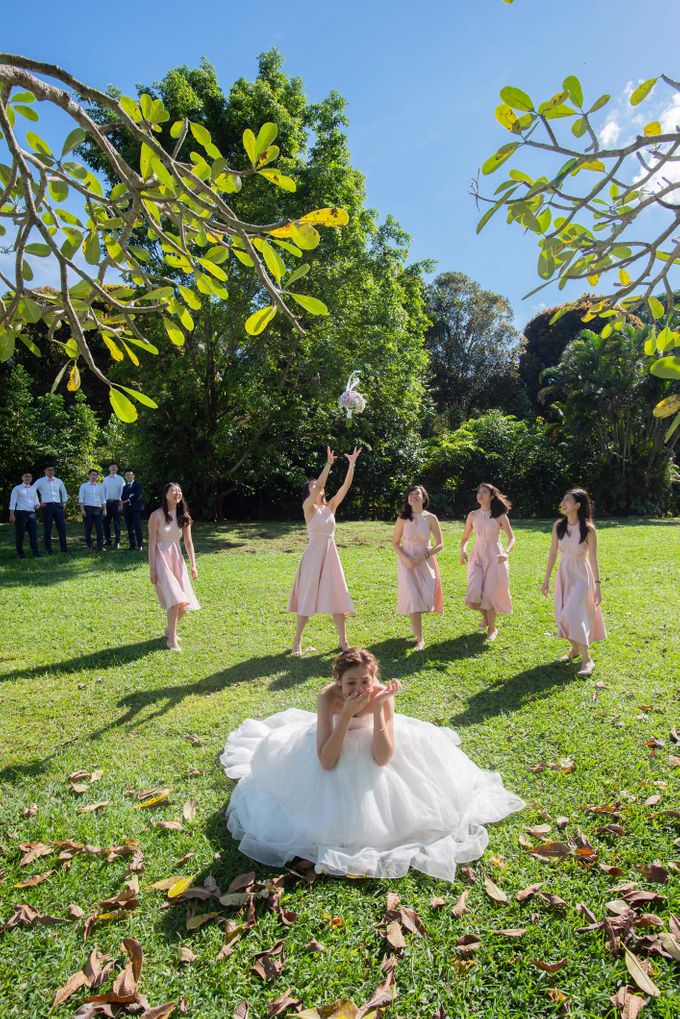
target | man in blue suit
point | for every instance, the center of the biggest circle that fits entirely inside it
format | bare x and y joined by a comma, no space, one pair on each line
133,506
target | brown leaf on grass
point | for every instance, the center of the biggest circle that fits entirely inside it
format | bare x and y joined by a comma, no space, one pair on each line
652,801
173,825
395,936
194,740
232,935
76,776
610,829
288,916
282,1003
314,946
189,810
235,899
628,1004
27,916
611,871
640,975
551,850
393,901
654,872
32,851
242,882
556,995
674,925
335,922
242,1010
671,945
674,760
461,903
528,892
607,808
184,859
411,921
127,848
549,967
440,1013
511,932
637,898
385,992
437,903
194,772
539,830
586,912
552,900
269,963
537,768
160,1011
128,978
30,811
468,873
31,882
494,892
73,984
618,906
561,822
199,919
90,808
468,943
74,910
183,954
124,900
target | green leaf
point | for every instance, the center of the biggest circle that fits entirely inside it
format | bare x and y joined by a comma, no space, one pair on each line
506,116
667,339
7,344
265,137
516,98
27,342
28,112
190,298
145,157
213,269
642,91
599,103
650,344
672,428
290,248
141,397
174,332
73,140
218,253
280,179
58,189
200,133
493,162
578,128
23,97
572,85
311,304
143,344
131,108
301,271
177,128
243,257
113,348
122,407
561,110
250,145
30,310
91,248
259,320
38,249
37,143
272,259
656,307
59,377
667,367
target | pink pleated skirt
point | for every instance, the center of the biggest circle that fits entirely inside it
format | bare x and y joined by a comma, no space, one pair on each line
173,586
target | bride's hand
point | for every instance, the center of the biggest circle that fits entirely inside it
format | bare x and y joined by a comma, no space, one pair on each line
356,702
330,456
352,457
383,694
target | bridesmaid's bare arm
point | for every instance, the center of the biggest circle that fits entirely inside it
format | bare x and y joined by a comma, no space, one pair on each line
552,559
347,483
466,537
592,554
436,532
505,524
153,531
396,543
308,504
189,546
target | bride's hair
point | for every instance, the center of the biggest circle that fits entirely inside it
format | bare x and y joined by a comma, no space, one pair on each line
351,658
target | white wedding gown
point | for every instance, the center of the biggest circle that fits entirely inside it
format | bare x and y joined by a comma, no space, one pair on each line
425,809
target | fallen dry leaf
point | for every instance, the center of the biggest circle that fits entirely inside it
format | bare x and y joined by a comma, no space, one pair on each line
549,967
183,859
242,1010
468,943
640,975
551,850
92,807
528,892
74,910
314,946
654,872
282,1003
627,1003
173,825
242,882
194,740
31,882
385,991
160,1011
461,903
30,811
27,916
73,984
184,954
178,887
189,810
511,932
437,903
469,873
494,892
269,963
32,851
395,936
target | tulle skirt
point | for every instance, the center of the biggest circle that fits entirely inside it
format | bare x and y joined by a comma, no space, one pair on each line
426,809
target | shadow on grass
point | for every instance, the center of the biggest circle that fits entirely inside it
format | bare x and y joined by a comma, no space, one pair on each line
97,660
394,653
504,698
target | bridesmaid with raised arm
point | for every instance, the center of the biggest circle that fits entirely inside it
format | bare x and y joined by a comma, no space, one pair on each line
488,575
167,569
578,591
420,586
320,585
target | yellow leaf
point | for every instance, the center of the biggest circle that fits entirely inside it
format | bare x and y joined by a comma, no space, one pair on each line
180,887
593,280
326,217
653,128
259,320
624,278
152,802
506,116
73,383
666,407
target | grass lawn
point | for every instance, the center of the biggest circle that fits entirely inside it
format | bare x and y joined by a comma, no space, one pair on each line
86,685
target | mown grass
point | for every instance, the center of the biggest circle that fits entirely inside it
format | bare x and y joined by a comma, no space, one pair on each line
86,684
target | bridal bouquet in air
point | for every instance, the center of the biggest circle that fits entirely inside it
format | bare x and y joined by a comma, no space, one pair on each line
351,401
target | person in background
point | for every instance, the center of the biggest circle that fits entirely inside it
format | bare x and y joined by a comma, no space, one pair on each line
113,486
133,506
53,497
23,503
93,509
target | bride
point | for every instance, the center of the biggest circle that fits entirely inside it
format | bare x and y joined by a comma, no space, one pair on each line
357,789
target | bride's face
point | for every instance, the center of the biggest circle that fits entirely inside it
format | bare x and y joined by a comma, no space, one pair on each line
356,680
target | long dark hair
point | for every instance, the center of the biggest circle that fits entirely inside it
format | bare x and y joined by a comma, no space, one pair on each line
406,513
500,503
585,514
182,509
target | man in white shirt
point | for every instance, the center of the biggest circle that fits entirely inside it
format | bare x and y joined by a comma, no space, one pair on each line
93,509
53,497
113,493
23,503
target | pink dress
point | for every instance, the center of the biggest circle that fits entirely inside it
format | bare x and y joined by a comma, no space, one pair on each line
577,616
173,586
420,589
320,585
488,583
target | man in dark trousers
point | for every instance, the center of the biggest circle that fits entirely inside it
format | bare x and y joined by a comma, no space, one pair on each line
23,503
133,507
113,487
53,497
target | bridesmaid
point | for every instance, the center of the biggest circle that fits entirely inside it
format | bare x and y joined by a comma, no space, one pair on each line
488,575
320,583
420,587
578,591
167,570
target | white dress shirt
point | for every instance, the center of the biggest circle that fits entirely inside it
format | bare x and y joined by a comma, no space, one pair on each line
92,494
51,490
23,497
113,486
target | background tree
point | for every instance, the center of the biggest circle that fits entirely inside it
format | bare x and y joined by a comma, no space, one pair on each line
473,347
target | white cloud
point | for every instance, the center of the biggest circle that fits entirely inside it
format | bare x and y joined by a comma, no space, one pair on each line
610,132
669,118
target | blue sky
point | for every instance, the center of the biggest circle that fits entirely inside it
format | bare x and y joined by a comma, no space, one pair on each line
421,84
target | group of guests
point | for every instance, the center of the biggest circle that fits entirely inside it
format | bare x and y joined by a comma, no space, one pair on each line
101,505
